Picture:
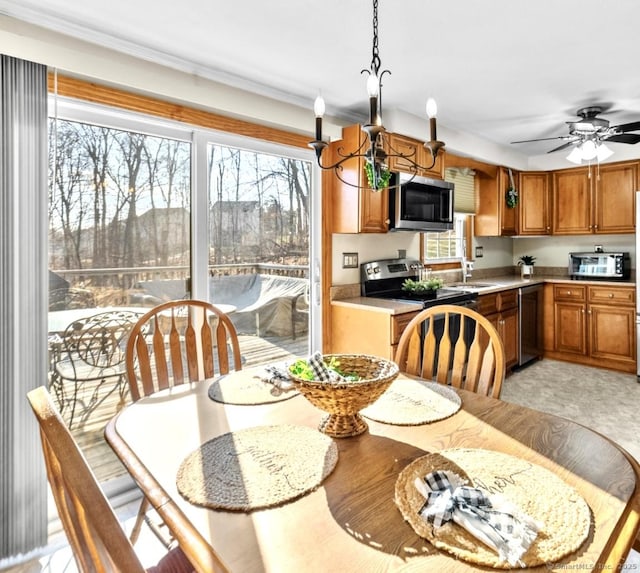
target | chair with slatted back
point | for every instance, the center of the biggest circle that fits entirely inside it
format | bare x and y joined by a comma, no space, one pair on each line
176,342
453,345
180,341
98,542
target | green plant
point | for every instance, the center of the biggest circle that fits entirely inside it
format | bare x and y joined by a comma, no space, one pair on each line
511,197
302,369
384,176
410,285
527,260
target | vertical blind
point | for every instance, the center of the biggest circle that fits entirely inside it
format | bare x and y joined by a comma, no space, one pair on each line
464,194
23,302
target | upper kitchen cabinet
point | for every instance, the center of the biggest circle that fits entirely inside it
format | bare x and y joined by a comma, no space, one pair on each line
534,203
416,150
615,198
595,199
494,216
354,209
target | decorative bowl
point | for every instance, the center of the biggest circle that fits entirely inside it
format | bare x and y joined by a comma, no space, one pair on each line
344,399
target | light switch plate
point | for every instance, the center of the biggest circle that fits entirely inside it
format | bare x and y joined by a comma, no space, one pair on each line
349,260
478,252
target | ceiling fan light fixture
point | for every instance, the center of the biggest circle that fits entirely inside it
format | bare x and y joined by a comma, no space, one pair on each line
575,156
589,150
603,152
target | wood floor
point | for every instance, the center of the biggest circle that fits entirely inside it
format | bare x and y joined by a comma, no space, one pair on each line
89,435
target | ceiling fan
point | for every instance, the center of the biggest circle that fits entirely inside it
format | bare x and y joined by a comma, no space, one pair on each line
591,128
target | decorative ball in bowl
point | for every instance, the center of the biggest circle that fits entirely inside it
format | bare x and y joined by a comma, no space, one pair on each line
343,399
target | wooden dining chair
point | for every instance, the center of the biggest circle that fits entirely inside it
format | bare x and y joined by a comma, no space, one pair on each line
453,345
175,342
98,542
180,341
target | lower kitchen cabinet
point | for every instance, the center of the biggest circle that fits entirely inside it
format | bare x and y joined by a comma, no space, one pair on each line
367,331
501,309
595,325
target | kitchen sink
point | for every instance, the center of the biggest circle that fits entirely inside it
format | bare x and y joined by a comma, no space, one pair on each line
471,285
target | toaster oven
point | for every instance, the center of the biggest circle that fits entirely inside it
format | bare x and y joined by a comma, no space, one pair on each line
594,266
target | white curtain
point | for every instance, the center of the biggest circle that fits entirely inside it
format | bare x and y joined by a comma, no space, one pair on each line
23,301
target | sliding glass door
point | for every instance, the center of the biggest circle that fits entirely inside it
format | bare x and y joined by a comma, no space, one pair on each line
142,211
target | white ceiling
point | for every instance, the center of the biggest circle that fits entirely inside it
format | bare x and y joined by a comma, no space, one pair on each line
502,70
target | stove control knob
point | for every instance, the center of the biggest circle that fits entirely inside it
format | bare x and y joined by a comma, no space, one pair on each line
376,269
369,270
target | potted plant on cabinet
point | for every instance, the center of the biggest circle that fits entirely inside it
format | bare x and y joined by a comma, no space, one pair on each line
526,263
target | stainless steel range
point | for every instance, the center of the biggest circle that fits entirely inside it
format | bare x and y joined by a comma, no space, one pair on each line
384,278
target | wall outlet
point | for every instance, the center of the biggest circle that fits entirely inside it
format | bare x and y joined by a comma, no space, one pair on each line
597,248
478,252
349,260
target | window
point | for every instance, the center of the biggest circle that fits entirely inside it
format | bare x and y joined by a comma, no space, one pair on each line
119,211
452,244
447,244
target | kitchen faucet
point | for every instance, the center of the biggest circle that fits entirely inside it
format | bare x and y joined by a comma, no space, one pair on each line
467,267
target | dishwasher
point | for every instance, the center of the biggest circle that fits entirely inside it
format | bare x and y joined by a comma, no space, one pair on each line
530,323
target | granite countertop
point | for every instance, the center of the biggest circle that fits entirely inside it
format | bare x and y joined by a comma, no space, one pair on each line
490,285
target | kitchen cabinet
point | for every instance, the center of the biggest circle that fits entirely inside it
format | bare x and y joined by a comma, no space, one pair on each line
354,209
501,309
595,325
534,204
493,217
418,153
595,199
367,331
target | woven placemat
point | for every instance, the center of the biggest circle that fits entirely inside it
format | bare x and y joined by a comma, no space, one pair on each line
409,402
246,388
256,467
535,490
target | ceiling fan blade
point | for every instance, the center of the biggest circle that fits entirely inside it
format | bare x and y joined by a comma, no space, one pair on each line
563,146
624,138
633,126
542,139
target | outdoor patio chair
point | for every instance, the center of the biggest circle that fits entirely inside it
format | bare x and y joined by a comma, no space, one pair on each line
90,366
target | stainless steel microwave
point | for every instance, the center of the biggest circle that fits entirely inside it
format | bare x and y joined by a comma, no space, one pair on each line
420,204
609,266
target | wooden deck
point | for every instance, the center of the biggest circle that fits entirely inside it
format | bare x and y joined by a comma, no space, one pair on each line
255,350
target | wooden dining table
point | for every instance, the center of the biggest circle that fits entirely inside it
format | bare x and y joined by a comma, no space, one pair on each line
350,523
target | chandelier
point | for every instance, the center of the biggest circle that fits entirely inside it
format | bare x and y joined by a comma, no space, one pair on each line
376,149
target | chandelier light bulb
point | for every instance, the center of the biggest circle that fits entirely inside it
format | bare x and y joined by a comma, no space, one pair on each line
318,106
373,85
432,108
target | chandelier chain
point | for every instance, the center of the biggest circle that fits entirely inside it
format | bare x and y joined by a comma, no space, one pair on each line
375,56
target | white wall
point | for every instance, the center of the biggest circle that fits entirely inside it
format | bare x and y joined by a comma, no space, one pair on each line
370,247
497,252
554,251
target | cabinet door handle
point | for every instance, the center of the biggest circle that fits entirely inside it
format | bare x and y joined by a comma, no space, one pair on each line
610,295
582,310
